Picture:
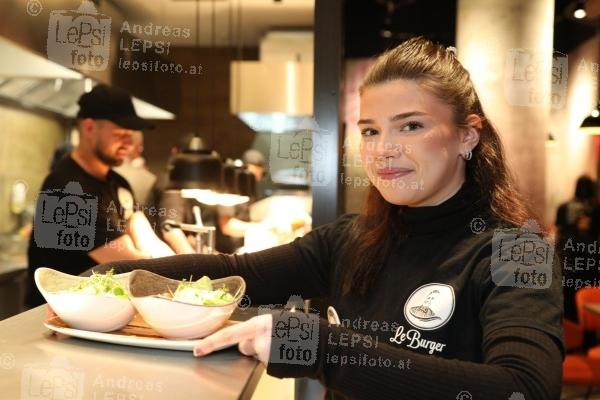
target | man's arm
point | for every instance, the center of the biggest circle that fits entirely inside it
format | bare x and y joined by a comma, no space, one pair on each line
121,248
234,227
140,242
178,241
145,239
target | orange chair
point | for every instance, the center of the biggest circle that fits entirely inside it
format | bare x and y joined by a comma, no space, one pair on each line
578,369
588,320
581,370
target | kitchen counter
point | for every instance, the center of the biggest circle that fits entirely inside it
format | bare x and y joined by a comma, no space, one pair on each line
35,363
12,264
13,273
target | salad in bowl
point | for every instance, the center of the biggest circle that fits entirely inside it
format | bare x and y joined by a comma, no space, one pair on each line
185,309
97,303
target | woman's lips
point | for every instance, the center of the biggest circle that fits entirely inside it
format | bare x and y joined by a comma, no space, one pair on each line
393,173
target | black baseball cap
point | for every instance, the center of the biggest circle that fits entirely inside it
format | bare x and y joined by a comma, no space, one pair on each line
113,104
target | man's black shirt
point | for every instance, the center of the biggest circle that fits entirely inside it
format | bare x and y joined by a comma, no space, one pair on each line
64,245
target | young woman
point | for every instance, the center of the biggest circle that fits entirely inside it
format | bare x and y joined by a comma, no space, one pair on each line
435,295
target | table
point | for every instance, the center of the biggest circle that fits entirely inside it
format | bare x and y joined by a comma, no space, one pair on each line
593,307
35,364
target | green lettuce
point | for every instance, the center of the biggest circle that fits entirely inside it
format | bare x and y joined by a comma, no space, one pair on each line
101,285
201,292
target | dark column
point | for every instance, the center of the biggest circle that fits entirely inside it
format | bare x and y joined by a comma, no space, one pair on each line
326,154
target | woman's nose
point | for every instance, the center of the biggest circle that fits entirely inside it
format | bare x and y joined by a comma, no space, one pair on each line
384,147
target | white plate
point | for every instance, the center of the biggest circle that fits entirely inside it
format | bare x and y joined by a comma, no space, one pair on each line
129,340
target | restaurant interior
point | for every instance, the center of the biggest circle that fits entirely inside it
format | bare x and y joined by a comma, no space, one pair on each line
274,83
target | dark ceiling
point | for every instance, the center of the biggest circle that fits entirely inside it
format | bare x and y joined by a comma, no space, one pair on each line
436,19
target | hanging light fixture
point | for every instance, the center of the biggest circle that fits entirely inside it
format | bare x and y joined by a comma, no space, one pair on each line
591,124
198,172
195,167
579,11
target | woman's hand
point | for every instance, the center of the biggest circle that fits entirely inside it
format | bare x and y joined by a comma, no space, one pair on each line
253,336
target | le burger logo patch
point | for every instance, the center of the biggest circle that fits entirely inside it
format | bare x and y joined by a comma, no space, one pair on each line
430,306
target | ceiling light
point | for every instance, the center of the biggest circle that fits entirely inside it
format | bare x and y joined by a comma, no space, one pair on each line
580,12
591,125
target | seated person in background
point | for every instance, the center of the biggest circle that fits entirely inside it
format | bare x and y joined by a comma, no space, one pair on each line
235,221
575,222
181,211
177,209
82,186
134,170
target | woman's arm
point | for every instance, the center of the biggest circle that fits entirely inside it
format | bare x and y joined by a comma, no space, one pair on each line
301,268
271,275
516,359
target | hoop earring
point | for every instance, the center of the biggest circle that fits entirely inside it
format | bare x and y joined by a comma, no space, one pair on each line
468,156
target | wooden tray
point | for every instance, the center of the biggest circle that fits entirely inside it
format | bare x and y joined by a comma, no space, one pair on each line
137,333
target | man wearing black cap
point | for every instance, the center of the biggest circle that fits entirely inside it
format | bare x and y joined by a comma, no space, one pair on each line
85,212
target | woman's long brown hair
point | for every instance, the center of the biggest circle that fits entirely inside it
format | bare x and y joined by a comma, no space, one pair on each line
437,70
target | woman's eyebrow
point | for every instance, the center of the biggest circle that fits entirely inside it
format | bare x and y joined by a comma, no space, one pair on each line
396,117
365,121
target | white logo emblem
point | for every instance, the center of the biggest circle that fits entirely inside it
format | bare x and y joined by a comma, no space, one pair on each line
430,306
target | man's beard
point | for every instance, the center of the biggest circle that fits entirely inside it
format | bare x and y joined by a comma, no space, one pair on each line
107,159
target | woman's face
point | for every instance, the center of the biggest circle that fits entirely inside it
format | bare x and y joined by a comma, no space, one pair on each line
410,146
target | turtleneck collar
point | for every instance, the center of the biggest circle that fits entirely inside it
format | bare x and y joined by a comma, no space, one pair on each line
455,212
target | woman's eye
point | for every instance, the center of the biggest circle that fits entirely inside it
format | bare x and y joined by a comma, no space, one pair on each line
411,126
368,132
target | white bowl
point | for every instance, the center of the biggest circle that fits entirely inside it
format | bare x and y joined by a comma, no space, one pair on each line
173,319
83,310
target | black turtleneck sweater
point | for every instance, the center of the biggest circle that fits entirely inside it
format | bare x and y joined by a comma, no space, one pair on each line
437,322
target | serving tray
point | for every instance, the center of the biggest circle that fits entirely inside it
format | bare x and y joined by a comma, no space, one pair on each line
136,333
